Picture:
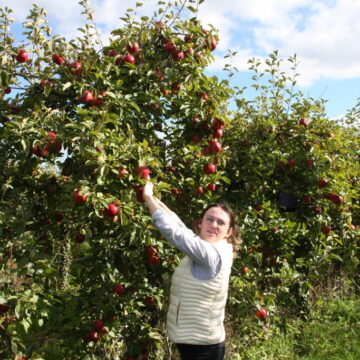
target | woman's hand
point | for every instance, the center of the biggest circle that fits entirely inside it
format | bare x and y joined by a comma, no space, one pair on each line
148,195
148,191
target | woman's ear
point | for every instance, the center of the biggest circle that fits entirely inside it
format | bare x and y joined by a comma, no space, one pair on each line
229,232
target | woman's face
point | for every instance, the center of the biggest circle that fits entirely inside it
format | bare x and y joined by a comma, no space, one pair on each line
215,225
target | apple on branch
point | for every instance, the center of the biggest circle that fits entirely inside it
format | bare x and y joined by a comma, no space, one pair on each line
261,314
143,171
133,48
215,146
22,56
57,59
111,210
119,289
78,198
210,169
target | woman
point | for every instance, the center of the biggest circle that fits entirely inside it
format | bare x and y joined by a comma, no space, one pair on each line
199,285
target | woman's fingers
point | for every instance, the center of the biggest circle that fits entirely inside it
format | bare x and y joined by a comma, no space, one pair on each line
148,189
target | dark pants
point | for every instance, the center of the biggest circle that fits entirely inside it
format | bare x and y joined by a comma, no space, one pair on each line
202,352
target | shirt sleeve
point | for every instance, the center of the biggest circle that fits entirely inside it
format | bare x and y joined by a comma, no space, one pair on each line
175,231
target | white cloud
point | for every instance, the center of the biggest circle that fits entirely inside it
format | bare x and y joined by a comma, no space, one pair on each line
323,33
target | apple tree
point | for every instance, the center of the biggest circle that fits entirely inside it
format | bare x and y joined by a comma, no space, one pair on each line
294,181
84,274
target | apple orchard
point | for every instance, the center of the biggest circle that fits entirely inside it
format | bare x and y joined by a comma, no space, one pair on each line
83,273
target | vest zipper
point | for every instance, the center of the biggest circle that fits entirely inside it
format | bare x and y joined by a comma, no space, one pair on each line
177,314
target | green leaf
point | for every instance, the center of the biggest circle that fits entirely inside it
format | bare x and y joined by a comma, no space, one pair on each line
66,85
25,324
136,107
192,9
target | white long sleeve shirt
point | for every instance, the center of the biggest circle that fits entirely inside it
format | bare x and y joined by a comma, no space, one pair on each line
205,256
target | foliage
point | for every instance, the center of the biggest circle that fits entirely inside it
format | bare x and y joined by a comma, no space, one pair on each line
330,332
84,274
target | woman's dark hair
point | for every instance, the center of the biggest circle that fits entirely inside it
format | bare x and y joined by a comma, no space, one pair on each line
234,239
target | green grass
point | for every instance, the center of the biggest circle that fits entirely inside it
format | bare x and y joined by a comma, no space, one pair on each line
331,332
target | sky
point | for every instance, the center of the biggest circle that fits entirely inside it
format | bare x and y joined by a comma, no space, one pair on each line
324,34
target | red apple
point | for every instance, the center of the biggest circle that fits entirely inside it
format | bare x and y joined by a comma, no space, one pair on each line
218,124
204,96
177,55
92,336
57,59
164,40
261,314
307,199
331,196
22,56
257,207
129,59
303,122
4,308
211,187
54,144
154,260
187,38
151,251
291,163
321,183
133,48
87,97
215,146
76,68
310,163
79,199
43,83
123,173
80,238
326,230
139,194
316,209
175,191
330,135
143,171
119,289
111,210
198,57
245,269
218,133
160,75
40,150
98,325
175,87
112,52
170,47
159,24
337,199
149,300
213,43
199,190
14,109
7,90
209,169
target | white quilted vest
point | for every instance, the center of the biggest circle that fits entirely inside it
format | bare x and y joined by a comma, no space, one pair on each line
197,307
